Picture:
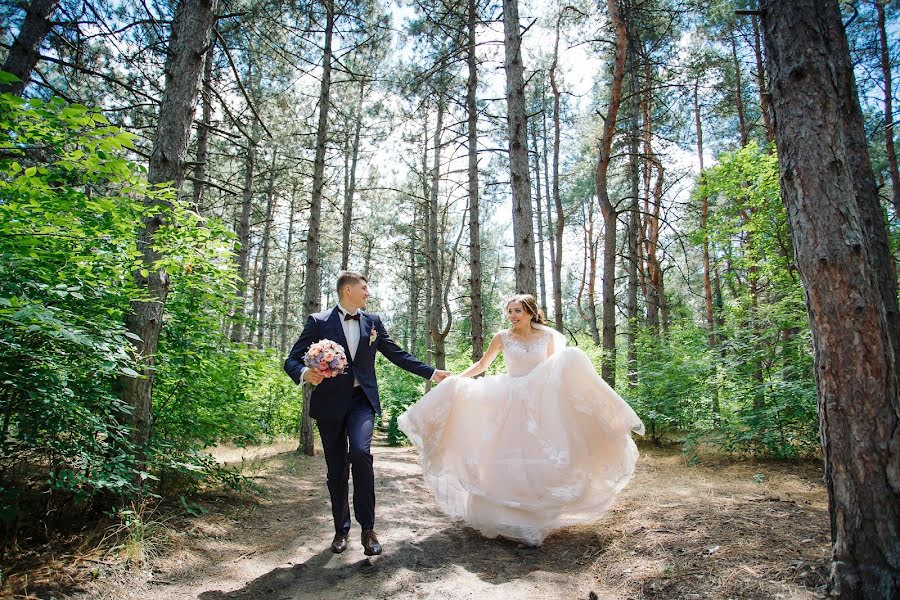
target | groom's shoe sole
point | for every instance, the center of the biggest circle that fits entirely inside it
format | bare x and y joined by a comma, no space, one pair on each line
339,544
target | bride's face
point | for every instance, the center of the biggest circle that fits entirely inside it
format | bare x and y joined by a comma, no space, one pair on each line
517,314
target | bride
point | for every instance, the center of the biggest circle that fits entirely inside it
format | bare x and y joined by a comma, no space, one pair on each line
517,455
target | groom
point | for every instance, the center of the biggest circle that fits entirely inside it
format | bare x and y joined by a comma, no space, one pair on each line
345,406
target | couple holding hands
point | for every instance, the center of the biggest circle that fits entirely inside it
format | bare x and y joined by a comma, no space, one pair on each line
517,455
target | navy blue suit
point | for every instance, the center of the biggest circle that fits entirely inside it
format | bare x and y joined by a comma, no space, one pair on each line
345,414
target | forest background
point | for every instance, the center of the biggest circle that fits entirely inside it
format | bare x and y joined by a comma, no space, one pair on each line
381,137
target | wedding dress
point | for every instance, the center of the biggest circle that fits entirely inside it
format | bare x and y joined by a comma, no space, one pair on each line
547,444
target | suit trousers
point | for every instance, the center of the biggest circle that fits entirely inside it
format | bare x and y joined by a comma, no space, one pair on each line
347,444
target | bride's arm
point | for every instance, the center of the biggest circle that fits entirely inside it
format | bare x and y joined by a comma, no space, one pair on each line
485,361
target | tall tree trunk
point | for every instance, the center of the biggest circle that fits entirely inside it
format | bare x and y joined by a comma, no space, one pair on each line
313,289
608,368
475,270
243,239
253,321
190,36
542,277
523,224
840,246
764,107
350,187
367,255
659,282
426,228
651,163
435,313
589,272
288,254
413,284
634,221
739,93
26,48
264,268
707,279
888,109
551,229
201,168
557,199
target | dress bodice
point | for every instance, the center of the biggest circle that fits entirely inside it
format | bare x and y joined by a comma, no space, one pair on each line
520,357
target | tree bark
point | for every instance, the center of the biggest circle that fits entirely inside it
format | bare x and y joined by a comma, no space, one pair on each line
413,284
707,279
551,243
523,225
191,31
840,247
556,255
764,107
264,267
888,110
634,221
313,289
243,236
26,48
435,312
588,272
253,321
288,254
739,93
542,264
475,269
608,367
350,187
201,168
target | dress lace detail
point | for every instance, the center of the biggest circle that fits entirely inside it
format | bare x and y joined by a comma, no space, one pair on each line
544,446
522,357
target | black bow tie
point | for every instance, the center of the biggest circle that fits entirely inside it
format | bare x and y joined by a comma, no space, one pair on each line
348,317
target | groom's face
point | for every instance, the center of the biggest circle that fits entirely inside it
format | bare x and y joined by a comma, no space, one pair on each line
356,294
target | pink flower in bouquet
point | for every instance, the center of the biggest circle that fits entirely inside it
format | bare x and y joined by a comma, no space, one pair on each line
326,357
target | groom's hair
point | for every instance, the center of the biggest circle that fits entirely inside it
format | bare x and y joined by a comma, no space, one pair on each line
349,278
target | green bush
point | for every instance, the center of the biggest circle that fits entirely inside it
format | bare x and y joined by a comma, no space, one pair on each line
70,208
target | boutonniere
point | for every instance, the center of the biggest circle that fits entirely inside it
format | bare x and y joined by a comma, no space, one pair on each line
373,336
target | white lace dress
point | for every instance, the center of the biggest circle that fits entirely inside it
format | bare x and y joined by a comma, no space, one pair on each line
544,446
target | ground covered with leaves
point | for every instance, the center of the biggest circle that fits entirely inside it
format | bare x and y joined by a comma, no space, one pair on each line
714,529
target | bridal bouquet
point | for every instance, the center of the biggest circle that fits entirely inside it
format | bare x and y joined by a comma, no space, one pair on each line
326,357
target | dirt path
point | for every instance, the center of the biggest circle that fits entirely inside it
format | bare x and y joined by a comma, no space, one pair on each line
733,530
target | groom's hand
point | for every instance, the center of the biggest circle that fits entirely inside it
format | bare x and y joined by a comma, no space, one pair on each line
312,376
440,375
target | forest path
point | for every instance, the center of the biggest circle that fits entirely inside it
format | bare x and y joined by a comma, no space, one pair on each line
726,530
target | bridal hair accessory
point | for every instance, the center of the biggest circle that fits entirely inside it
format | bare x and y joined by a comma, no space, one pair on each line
326,357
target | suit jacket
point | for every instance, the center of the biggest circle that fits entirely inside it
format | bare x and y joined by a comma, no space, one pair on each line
333,398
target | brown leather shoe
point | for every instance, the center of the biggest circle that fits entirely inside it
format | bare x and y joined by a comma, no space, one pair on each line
339,544
371,547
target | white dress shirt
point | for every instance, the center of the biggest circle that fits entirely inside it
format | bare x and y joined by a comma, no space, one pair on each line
351,332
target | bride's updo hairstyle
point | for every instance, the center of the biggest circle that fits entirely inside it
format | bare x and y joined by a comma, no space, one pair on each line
529,303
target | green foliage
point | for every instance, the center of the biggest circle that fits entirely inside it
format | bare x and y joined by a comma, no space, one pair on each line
671,391
761,370
70,208
398,390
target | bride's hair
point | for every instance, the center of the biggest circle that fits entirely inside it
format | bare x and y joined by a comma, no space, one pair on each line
529,303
